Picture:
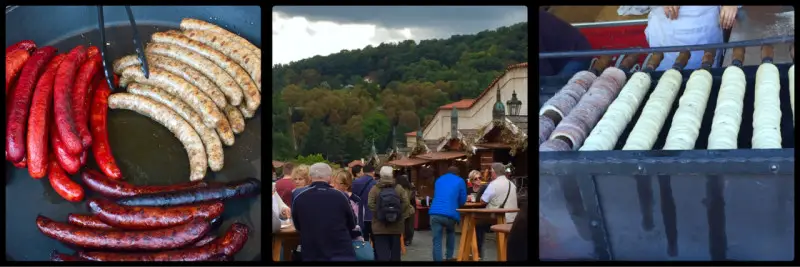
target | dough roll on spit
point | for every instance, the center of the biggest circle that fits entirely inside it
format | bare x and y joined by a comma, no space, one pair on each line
685,127
554,145
583,117
565,99
546,126
791,90
655,112
767,114
728,113
607,131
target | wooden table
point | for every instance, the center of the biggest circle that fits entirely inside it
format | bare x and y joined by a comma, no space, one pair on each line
469,242
473,205
283,241
501,230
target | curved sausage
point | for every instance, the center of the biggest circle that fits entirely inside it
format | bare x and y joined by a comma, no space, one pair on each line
161,239
101,149
26,45
221,78
196,24
171,120
80,97
62,100
39,120
177,86
21,100
116,189
232,49
180,69
88,221
142,218
237,189
63,185
70,163
56,256
235,117
252,98
205,240
232,242
245,112
213,145
14,62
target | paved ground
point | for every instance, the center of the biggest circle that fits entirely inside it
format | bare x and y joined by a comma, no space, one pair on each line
422,245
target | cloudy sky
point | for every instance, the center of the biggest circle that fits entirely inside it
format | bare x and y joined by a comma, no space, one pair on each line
300,32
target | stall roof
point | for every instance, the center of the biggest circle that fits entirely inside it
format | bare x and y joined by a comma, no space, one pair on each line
354,163
408,162
494,145
446,155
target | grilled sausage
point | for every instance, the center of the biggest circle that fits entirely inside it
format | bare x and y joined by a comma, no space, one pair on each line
252,98
116,189
70,163
39,120
180,69
21,100
231,243
62,184
142,218
161,239
213,146
88,221
62,100
80,97
233,49
237,189
225,132
177,86
195,24
246,113
236,119
14,63
205,240
26,45
101,149
171,120
221,78
56,256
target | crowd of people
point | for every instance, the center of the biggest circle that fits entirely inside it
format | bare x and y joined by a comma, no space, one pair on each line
358,215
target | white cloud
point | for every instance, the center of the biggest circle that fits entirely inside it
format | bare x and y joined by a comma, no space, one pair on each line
296,38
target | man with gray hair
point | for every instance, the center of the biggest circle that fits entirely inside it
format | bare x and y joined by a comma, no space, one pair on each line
324,218
500,194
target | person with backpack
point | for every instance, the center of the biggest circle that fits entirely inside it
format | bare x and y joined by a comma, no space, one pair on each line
361,187
324,219
408,234
390,206
449,193
500,194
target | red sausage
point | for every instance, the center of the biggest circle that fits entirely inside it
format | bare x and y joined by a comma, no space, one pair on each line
161,239
22,164
80,103
21,100
99,116
88,221
142,218
14,62
68,189
56,256
92,50
205,240
115,189
231,243
69,162
26,45
64,116
39,120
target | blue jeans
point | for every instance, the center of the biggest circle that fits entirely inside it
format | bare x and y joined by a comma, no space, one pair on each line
574,66
439,223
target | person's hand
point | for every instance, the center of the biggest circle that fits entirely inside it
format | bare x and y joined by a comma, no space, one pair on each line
671,12
286,212
727,16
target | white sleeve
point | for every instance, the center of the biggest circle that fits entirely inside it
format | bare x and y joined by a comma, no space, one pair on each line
489,193
281,205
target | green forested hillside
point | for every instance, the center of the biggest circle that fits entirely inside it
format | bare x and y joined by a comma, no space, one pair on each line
327,107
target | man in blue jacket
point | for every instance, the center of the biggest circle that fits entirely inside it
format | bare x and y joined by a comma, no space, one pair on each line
449,193
361,187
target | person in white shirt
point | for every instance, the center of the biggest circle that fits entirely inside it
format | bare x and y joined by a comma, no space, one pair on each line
500,194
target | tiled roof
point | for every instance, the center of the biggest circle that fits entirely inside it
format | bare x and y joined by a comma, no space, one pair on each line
486,90
462,104
445,155
407,162
520,121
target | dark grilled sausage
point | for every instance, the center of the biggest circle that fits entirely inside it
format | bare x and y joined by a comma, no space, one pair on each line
233,241
88,221
161,239
238,189
142,218
205,240
98,182
56,256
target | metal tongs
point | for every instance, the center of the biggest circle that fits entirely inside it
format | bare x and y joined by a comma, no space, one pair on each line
104,50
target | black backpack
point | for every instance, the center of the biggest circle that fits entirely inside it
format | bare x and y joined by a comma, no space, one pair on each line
390,205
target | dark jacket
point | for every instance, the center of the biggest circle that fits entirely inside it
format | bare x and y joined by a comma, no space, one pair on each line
556,35
324,219
383,228
361,187
518,237
480,192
